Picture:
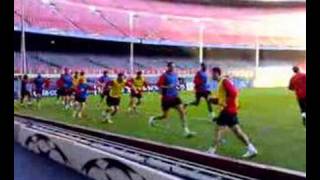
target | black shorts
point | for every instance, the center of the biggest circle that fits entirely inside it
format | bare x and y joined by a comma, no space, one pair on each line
227,119
167,103
60,92
25,93
104,93
80,99
39,91
111,101
203,94
302,104
136,95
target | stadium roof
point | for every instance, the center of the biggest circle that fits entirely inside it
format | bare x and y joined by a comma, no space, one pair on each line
158,22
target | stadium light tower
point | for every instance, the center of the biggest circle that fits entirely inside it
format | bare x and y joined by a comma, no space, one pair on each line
201,31
257,54
23,44
257,47
200,40
131,16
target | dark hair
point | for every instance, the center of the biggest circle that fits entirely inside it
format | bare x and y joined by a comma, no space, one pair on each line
25,77
76,74
139,72
121,74
170,64
296,69
105,72
216,69
203,65
82,73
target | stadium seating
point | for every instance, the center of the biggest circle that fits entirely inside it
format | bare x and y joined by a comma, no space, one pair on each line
40,15
34,65
230,25
53,63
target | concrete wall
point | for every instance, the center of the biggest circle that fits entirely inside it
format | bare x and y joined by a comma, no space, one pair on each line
83,158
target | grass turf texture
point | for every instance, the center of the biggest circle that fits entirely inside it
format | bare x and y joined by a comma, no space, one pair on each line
270,117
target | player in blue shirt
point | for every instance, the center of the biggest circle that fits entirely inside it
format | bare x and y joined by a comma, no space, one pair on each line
167,84
81,94
25,90
38,84
202,89
67,88
102,86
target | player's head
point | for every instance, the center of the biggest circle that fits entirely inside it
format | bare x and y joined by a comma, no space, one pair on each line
139,74
105,73
170,66
120,77
39,75
295,69
82,73
66,70
76,73
25,77
203,66
216,73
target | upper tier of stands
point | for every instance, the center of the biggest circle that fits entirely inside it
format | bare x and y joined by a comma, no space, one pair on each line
110,19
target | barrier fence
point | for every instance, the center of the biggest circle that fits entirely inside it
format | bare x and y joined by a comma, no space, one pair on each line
103,155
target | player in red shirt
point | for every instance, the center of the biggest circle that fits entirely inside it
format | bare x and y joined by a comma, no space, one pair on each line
227,101
47,83
170,99
202,89
59,84
298,85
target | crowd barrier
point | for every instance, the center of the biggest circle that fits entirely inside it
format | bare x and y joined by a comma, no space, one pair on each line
102,155
87,160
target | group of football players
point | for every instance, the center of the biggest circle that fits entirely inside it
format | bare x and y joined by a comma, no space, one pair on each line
72,91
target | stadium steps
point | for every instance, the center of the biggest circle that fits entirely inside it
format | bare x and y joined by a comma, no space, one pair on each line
40,59
97,63
139,65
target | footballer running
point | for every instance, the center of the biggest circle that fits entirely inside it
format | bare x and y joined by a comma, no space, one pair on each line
136,85
298,85
227,101
167,84
202,89
113,100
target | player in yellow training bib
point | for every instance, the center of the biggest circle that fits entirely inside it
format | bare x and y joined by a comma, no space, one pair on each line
136,90
75,82
113,100
227,100
82,77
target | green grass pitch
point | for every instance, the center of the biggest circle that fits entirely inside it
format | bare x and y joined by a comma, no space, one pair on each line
270,117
